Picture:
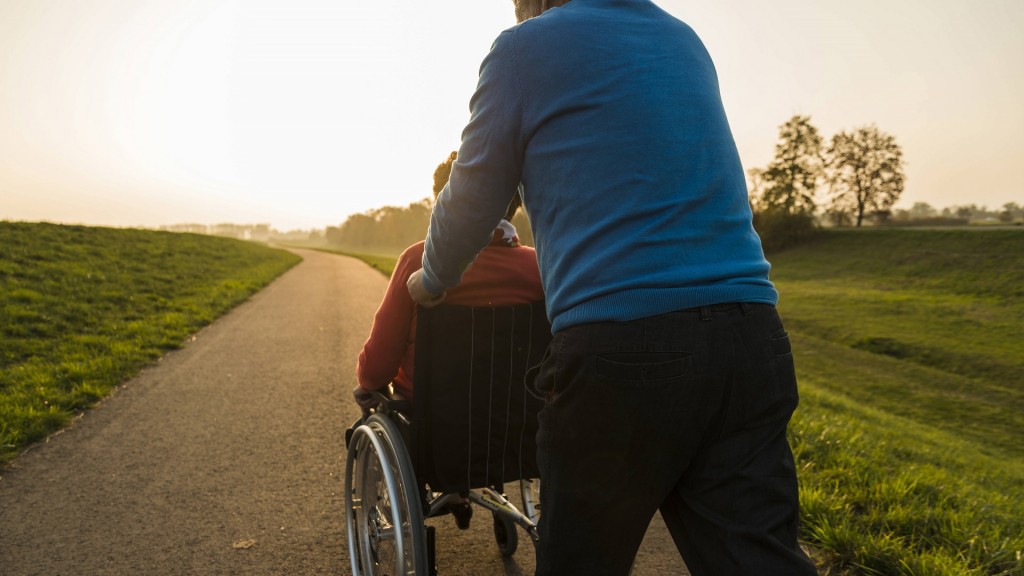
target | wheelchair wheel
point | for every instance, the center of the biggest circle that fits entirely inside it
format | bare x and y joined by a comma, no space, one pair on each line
384,517
505,534
529,489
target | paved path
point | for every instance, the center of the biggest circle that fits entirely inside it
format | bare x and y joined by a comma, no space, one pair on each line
226,457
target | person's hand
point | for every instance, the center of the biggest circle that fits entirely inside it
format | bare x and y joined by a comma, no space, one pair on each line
365,398
419,292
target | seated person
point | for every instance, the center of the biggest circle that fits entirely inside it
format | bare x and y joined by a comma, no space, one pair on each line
504,273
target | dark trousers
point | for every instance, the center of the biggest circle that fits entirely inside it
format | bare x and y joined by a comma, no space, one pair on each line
685,413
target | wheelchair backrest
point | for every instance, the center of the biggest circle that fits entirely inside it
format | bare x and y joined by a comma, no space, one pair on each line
475,422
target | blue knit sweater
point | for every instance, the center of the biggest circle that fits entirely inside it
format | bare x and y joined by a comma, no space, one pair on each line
609,114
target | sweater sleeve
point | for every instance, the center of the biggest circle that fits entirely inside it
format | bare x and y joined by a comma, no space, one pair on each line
385,348
485,175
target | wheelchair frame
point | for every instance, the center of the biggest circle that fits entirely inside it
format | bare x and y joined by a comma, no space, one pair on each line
387,504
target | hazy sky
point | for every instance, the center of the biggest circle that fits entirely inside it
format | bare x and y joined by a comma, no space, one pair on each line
298,113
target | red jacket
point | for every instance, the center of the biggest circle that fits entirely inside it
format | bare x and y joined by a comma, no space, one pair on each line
500,276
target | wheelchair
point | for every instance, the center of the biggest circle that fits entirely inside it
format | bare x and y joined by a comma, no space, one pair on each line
469,430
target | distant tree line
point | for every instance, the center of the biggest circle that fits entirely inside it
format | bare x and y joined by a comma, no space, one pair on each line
259,232
391,229
922,213
386,229
256,232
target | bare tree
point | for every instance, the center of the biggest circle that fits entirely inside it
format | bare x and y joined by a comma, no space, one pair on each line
865,172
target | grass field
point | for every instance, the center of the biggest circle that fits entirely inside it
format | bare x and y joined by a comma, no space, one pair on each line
83,309
910,434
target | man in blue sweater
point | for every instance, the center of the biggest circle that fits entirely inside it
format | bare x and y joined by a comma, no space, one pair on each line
669,382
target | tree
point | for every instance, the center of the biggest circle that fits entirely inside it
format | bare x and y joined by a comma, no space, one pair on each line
756,188
333,235
1010,211
839,216
865,172
1006,216
964,211
789,183
922,210
782,194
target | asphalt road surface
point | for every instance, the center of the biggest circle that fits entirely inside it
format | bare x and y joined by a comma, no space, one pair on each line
227,456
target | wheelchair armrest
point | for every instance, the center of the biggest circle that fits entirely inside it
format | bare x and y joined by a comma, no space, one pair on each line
389,402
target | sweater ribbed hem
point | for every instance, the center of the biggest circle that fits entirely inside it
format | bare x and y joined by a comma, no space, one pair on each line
640,303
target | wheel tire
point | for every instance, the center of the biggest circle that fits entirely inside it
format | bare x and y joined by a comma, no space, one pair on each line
505,534
384,517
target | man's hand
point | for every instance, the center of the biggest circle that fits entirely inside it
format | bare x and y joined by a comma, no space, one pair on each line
419,292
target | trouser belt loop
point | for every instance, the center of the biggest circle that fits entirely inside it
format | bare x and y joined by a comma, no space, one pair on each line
705,313
745,308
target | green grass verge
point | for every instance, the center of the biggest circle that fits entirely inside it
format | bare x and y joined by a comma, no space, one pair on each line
83,309
383,263
910,434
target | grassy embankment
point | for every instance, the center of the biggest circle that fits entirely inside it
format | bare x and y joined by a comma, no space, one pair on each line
84,309
910,433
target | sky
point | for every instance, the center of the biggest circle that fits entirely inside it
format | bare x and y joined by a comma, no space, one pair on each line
300,113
